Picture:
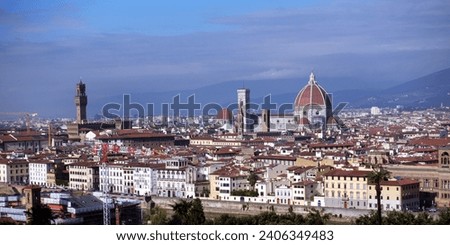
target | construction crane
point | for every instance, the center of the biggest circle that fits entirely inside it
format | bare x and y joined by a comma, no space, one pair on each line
103,154
27,115
106,210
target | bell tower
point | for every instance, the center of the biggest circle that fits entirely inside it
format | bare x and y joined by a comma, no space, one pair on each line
81,102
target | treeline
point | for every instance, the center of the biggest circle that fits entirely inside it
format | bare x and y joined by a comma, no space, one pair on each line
405,218
314,217
190,212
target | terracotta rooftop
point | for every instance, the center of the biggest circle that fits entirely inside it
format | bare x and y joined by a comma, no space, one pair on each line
305,182
277,157
347,173
437,142
228,171
399,182
299,169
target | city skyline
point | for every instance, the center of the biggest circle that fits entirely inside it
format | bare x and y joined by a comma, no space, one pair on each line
146,47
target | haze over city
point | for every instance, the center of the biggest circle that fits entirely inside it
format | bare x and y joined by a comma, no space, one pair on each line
233,113
147,47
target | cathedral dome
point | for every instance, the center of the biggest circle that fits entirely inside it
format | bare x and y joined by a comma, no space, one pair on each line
312,94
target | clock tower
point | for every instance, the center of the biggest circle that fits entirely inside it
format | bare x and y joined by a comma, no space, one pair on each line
81,102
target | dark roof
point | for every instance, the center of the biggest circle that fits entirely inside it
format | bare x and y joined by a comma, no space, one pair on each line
347,173
85,201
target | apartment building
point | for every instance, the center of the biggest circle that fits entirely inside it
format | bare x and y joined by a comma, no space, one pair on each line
227,179
112,178
303,192
346,188
399,195
434,179
39,172
172,179
84,176
14,171
145,178
301,173
283,194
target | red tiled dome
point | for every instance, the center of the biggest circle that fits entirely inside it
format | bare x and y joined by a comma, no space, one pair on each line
312,93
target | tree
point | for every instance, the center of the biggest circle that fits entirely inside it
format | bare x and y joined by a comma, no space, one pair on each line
444,217
39,215
375,177
367,219
396,218
252,178
180,212
7,221
424,219
188,213
399,218
196,216
157,216
317,217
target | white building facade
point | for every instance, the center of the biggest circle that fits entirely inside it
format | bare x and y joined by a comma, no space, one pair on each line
38,172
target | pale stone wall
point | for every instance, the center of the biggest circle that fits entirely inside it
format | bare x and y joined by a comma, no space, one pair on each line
216,206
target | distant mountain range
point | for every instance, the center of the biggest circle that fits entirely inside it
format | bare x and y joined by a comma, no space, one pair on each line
428,91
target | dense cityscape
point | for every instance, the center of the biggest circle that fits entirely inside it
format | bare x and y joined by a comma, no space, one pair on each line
177,120
115,170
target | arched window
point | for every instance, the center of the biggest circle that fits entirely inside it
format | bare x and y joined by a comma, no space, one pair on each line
445,158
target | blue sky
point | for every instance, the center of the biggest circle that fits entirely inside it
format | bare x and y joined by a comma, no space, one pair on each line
138,46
